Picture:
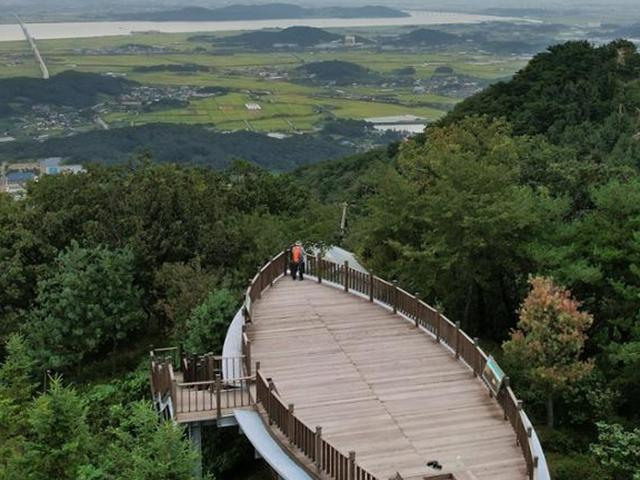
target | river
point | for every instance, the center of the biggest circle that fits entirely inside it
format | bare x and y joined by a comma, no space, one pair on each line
43,31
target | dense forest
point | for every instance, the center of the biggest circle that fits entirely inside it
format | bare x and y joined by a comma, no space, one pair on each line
69,88
266,39
339,72
94,269
427,36
183,144
527,189
518,214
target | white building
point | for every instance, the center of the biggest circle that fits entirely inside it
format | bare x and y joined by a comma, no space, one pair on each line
350,41
53,166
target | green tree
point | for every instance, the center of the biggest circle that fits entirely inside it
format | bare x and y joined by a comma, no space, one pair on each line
140,447
23,259
456,224
179,288
57,441
598,256
16,391
88,302
16,373
618,450
569,84
207,325
548,341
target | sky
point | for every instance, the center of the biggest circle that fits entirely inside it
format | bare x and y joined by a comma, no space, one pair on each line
621,9
439,4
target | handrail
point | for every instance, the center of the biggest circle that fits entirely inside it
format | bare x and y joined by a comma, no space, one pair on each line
162,379
325,457
212,395
213,382
424,316
202,387
207,366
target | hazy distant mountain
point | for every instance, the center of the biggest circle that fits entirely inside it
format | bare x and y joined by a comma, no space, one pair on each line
262,39
264,12
630,31
338,72
426,36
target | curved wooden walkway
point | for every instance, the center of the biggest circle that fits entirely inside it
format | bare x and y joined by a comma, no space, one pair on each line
379,387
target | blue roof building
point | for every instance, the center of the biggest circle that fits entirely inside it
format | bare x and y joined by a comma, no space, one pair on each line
20,177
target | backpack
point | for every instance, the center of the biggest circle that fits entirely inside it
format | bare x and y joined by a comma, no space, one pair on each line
296,254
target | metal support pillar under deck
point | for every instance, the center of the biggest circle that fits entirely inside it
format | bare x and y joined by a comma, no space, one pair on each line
195,437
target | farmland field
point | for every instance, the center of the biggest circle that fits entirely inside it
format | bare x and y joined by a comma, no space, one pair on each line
285,103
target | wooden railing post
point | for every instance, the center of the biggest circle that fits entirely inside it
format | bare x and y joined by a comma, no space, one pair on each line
351,473
286,261
371,280
247,357
269,397
290,427
260,282
438,320
518,420
395,296
346,276
218,387
417,309
319,267
318,445
532,474
174,394
505,386
476,357
271,273
457,340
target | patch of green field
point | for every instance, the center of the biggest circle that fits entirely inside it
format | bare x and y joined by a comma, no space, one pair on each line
17,61
286,105
279,112
489,69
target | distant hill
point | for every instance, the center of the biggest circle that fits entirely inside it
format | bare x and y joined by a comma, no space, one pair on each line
342,73
183,144
567,86
629,31
344,179
269,11
70,88
426,36
264,39
513,47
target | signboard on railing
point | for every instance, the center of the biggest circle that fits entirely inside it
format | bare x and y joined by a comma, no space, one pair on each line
493,375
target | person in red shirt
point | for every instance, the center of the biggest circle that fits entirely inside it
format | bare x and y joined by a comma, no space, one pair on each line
298,258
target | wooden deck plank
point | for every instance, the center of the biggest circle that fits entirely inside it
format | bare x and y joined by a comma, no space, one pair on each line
378,386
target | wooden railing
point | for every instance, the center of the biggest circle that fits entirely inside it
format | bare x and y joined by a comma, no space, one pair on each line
198,368
212,395
326,458
211,383
265,277
424,316
161,377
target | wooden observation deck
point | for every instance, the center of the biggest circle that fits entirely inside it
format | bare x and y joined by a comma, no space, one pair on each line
359,380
